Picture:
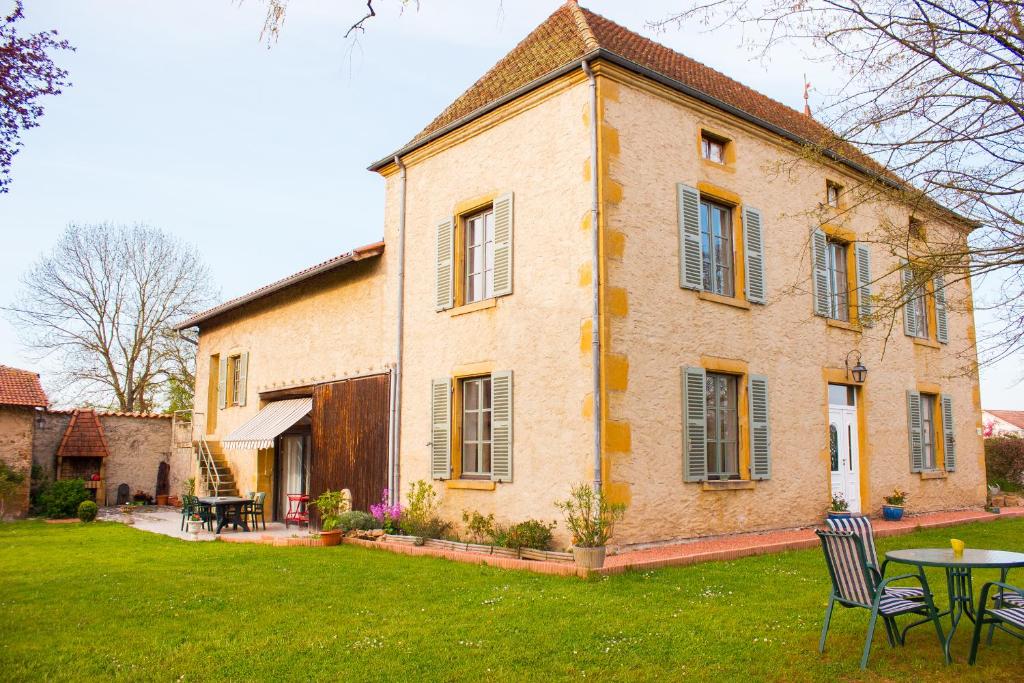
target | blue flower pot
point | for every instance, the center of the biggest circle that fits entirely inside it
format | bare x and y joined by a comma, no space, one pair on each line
893,513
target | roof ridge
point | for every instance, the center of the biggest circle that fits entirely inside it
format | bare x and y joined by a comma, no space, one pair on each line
579,15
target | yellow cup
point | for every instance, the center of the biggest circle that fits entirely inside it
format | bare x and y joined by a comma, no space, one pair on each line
958,547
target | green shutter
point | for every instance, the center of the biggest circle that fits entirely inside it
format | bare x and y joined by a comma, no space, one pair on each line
863,258
501,426
691,265
910,305
941,322
753,249
949,438
819,265
760,435
444,266
503,245
243,376
441,429
695,458
914,429
222,382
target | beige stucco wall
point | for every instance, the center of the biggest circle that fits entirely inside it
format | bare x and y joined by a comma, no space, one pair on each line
16,452
540,155
661,327
338,325
137,447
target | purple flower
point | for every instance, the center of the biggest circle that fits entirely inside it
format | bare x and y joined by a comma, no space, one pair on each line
384,511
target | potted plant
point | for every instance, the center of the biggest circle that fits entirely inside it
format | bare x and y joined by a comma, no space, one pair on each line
590,518
839,508
332,504
195,523
893,508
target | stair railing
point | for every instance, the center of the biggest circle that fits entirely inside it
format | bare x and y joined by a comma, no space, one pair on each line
207,466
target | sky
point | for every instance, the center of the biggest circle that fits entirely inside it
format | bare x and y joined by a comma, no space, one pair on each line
180,117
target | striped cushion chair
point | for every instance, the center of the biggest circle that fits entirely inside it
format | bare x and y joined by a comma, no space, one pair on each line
855,583
1006,612
861,527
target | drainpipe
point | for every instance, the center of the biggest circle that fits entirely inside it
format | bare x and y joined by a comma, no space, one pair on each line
595,278
396,374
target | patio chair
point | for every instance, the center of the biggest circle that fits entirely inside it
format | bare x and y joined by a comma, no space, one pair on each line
254,510
861,527
1006,613
190,505
855,583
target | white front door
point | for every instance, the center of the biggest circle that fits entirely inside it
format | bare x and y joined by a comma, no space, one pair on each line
844,453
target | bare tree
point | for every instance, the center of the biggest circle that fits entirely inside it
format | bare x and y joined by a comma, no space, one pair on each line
277,9
930,97
103,304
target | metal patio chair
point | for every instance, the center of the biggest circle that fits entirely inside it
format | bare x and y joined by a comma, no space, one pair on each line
861,527
298,512
1006,613
856,583
190,505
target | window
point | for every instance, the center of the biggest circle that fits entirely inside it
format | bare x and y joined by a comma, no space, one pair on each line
838,281
712,148
920,296
476,427
916,228
235,372
928,431
479,241
716,248
832,192
721,393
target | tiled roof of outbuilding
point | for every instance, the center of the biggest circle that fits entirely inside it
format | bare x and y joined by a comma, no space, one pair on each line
84,437
21,388
1014,417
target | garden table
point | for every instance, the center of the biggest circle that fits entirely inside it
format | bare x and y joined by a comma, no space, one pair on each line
959,585
222,505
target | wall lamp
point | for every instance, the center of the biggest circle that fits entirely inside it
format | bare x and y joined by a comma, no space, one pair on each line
858,371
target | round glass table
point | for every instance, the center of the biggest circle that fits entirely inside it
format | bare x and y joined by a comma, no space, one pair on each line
959,585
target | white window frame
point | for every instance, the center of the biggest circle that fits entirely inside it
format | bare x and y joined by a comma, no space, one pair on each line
482,416
485,265
838,279
710,255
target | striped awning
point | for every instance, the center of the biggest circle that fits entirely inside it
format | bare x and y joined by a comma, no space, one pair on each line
261,430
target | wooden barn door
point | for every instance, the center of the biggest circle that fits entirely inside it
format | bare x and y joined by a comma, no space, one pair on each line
350,439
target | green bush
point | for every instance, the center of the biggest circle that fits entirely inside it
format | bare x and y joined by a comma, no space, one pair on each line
532,533
87,510
357,520
10,481
419,515
62,498
1004,462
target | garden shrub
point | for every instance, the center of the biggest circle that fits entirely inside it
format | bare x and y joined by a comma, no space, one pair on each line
62,498
10,481
532,533
1004,462
357,520
479,528
87,510
419,516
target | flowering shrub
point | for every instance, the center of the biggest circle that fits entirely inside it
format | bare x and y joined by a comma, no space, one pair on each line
386,514
1004,462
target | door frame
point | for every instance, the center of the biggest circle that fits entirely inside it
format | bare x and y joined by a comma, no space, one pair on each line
279,494
850,416
840,376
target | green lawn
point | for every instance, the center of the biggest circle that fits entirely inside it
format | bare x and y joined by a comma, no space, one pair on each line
109,602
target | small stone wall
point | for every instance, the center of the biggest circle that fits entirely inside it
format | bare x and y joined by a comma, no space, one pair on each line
16,450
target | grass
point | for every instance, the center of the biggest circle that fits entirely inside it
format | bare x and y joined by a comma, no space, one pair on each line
110,602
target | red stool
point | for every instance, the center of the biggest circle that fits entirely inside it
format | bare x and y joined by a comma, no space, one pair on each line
297,512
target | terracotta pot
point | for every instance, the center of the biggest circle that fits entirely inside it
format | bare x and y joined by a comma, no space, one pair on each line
161,500
332,537
589,558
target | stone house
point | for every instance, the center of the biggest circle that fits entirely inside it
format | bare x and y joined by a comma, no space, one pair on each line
21,400
591,274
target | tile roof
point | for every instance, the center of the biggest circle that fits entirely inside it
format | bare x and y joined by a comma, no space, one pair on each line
21,388
84,437
114,413
573,32
357,254
1014,417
